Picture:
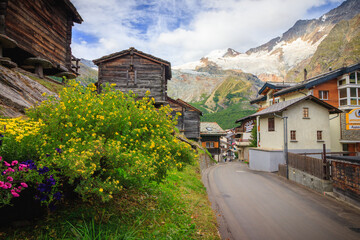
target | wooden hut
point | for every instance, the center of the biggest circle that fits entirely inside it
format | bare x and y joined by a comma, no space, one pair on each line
211,133
189,120
136,71
40,35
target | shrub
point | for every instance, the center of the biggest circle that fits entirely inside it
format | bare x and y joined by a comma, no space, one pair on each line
102,143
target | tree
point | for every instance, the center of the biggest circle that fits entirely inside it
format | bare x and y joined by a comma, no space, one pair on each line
253,139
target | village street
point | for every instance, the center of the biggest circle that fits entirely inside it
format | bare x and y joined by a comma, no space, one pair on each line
259,205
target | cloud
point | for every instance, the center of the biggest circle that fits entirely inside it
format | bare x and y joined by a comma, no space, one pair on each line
184,30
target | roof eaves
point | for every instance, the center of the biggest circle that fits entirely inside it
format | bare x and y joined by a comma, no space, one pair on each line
259,99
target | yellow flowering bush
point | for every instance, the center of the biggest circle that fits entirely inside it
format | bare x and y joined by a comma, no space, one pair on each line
102,143
19,138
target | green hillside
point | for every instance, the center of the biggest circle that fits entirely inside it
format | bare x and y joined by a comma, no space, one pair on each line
230,100
87,75
226,118
341,47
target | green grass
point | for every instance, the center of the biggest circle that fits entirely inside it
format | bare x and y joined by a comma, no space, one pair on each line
54,87
178,208
226,118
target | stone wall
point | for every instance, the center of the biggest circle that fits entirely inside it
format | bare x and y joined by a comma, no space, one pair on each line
348,134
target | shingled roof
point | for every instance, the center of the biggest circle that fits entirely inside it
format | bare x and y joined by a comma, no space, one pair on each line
139,53
183,104
319,79
211,129
282,106
76,16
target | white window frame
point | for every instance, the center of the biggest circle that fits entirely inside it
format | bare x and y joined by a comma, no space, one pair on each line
348,86
321,94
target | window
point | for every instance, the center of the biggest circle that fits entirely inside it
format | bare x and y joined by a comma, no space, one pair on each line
352,78
305,112
271,102
324,95
349,90
292,135
277,100
209,144
271,124
342,82
319,135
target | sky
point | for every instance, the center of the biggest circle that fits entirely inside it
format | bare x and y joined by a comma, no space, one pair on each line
182,31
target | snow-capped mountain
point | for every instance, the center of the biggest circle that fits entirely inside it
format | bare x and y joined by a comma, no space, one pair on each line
272,61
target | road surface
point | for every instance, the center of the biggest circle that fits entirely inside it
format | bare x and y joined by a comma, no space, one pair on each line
259,205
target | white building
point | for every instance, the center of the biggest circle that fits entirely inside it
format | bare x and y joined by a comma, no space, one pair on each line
308,128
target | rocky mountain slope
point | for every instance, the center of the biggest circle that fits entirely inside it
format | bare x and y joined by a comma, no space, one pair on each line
341,47
88,72
273,60
20,90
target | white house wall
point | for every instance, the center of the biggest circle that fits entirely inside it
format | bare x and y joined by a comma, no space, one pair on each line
306,129
335,133
273,140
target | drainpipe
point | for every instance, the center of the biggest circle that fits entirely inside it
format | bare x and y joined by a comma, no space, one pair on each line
285,144
257,130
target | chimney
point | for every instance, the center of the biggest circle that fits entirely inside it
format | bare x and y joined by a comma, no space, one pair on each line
305,74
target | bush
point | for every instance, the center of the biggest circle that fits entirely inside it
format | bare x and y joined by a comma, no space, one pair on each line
101,143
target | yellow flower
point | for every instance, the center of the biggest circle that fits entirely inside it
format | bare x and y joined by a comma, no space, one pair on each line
44,94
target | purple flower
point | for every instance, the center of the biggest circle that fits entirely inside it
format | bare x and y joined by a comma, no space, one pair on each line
44,187
57,196
51,181
30,164
58,150
43,170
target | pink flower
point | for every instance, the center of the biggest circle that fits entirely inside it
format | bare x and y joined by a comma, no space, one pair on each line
0,158
17,190
1,184
14,163
10,170
8,185
24,185
10,179
20,187
6,164
15,194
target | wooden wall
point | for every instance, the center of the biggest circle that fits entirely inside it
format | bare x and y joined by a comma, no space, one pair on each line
216,139
332,87
150,76
188,122
42,28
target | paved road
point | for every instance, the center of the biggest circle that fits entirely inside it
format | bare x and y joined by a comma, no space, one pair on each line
258,205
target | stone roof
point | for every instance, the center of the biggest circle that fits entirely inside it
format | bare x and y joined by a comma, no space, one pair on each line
211,128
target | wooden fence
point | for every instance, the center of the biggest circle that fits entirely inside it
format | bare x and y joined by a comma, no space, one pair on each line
282,170
310,165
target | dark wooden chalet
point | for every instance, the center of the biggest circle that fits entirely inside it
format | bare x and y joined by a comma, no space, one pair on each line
210,133
36,35
136,71
189,120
